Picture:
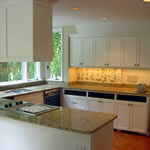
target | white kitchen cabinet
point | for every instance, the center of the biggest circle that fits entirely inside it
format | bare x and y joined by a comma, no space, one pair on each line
114,52
100,52
144,52
76,52
139,117
75,99
101,105
77,102
132,116
123,113
2,32
88,52
81,52
26,30
130,52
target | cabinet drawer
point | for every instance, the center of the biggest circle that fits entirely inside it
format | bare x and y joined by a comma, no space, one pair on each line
73,92
131,98
77,102
101,95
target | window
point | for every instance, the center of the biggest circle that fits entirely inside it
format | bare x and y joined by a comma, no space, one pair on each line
10,71
55,66
18,71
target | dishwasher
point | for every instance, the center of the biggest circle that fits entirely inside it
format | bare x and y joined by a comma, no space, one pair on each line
52,97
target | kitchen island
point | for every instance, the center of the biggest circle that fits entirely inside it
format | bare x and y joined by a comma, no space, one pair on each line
61,129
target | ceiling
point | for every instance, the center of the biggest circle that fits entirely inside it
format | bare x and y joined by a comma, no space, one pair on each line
91,11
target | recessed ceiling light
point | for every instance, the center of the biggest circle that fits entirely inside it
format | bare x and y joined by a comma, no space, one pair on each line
75,8
105,18
146,0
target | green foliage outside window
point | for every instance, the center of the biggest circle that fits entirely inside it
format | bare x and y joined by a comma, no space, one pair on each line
31,70
10,71
55,64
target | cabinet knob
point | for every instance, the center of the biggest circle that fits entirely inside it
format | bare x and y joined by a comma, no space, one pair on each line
135,64
138,65
100,101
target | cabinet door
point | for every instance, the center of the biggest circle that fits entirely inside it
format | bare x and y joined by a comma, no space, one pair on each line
144,48
75,52
3,32
100,52
94,104
88,52
32,97
19,31
139,118
114,52
123,112
108,106
129,52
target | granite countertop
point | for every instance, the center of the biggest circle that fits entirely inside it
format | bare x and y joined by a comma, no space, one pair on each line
64,118
108,88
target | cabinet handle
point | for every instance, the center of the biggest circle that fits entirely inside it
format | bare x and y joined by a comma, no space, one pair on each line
81,63
135,64
74,102
100,101
138,65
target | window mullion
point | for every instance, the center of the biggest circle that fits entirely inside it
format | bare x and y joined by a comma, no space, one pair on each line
24,71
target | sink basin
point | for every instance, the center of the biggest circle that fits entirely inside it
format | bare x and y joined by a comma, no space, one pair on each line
18,91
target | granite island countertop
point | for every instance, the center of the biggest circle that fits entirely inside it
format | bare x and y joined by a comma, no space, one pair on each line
73,120
108,88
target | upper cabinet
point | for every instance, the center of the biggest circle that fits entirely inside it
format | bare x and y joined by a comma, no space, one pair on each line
120,52
26,30
144,52
130,52
114,52
81,52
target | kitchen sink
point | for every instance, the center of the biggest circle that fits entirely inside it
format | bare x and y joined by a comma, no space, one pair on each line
18,91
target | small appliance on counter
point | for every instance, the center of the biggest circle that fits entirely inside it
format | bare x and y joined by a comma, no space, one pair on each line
141,88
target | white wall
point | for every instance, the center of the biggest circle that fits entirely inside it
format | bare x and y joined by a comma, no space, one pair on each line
116,28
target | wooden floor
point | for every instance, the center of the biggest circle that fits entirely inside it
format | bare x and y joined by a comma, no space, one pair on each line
130,141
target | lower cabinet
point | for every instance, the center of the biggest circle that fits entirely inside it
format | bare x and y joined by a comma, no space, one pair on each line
75,99
132,116
132,111
77,102
101,105
36,97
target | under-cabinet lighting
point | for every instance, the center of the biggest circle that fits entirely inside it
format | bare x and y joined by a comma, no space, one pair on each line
146,0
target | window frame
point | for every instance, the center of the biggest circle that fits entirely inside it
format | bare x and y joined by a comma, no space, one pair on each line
25,75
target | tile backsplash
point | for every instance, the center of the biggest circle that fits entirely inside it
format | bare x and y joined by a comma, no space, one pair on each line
99,75
104,75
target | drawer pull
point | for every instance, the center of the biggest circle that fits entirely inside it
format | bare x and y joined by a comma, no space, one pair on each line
74,102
